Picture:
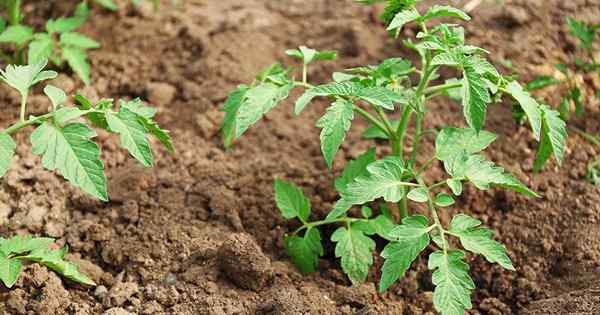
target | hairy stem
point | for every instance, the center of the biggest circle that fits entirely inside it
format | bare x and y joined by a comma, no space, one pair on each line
372,120
434,215
441,88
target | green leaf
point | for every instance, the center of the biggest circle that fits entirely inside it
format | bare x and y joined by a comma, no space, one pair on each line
455,185
483,174
136,106
305,251
2,24
10,269
479,240
57,96
384,180
403,17
355,250
134,135
366,212
580,30
78,41
20,244
475,97
554,137
443,200
291,201
76,58
67,114
340,208
65,24
70,151
354,169
233,103
453,141
542,82
108,4
335,124
438,11
54,259
418,195
7,151
530,107
412,238
308,55
453,285
451,58
376,133
16,34
22,78
40,49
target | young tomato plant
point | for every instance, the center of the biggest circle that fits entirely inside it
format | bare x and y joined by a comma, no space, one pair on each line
17,249
59,43
65,143
111,5
372,93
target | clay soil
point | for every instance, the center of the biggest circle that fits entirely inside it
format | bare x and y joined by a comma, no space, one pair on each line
157,246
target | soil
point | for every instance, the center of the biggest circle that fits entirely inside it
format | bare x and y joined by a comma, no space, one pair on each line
200,234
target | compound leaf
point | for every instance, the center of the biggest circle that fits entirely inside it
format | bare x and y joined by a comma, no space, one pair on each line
479,240
305,251
334,124
291,200
453,285
7,151
70,151
134,135
355,250
384,180
410,239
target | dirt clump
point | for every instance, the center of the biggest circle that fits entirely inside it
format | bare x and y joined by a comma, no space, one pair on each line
244,262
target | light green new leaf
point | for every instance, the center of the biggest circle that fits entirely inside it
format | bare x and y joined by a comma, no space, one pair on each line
305,251
483,174
354,169
356,252
402,18
22,78
233,103
384,180
64,24
137,106
76,58
479,240
476,97
134,135
453,141
340,208
455,185
530,107
453,285
78,40
57,96
54,259
20,244
308,55
256,102
9,270
554,137
70,151
419,194
291,201
334,124
443,200
444,11
16,34
40,49
108,4
412,238
67,114
7,151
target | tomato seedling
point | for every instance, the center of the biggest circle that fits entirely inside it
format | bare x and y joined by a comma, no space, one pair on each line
371,93
65,143
17,249
59,43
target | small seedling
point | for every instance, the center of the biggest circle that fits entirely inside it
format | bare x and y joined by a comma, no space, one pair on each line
111,5
16,250
59,43
371,92
65,143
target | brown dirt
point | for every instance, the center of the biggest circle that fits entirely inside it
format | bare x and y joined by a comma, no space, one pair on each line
154,249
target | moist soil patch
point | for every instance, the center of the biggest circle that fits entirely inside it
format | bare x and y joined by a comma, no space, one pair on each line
158,246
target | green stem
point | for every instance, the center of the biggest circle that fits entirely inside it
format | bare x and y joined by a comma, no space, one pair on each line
23,106
304,73
442,88
386,122
14,12
416,140
325,222
372,120
402,127
434,215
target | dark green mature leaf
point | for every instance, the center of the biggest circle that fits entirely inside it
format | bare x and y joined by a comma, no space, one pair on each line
554,137
7,151
334,124
476,97
134,135
291,201
384,180
16,34
54,259
77,60
452,295
355,250
437,11
479,240
305,251
354,169
70,151
530,107
411,238
453,141
580,30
